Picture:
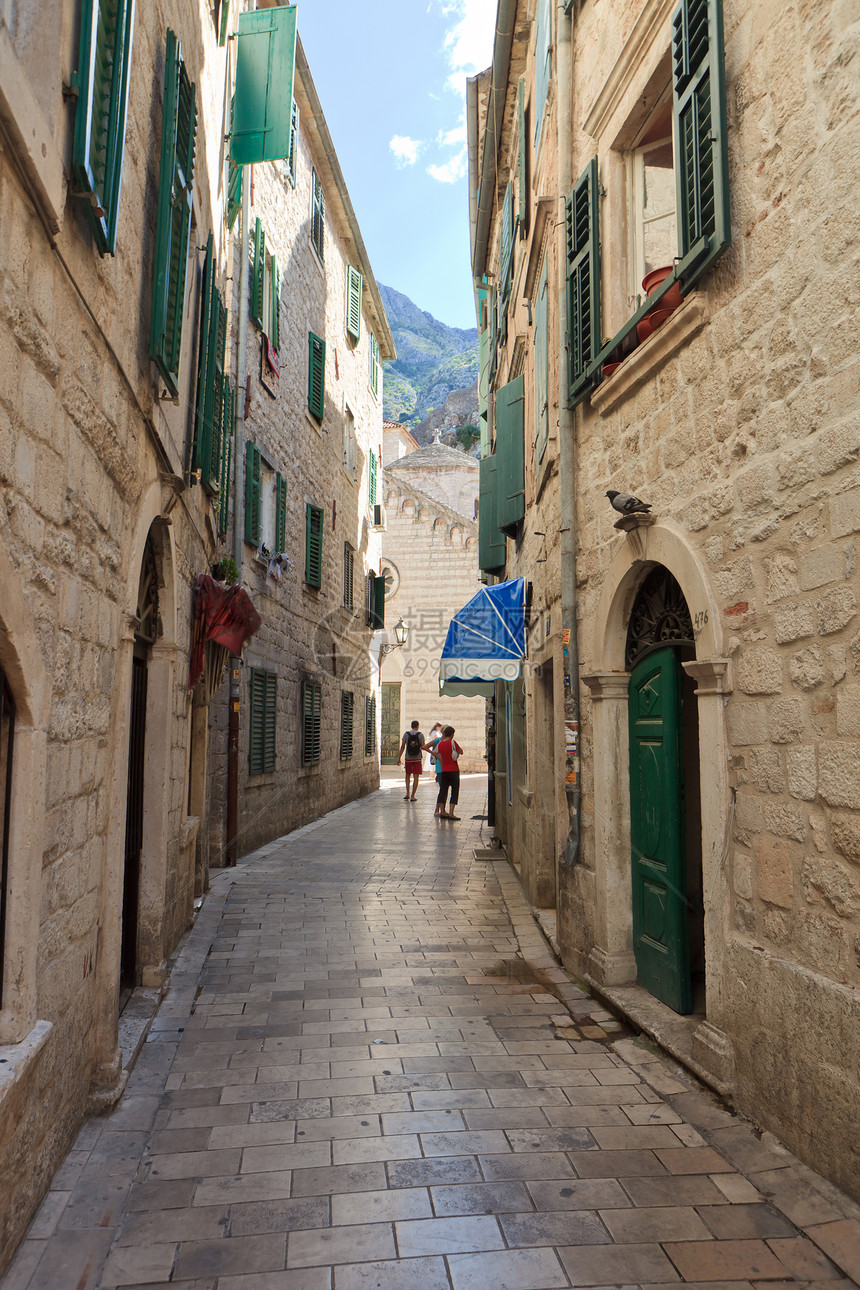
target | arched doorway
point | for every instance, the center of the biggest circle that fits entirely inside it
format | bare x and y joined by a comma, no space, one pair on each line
665,800
146,632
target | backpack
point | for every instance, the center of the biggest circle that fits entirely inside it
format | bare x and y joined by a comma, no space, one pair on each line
413,745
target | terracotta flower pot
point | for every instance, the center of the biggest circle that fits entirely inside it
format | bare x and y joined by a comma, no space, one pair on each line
652,281
609,368
649,324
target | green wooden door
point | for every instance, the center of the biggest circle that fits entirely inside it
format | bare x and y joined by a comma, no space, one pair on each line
660,939
390,722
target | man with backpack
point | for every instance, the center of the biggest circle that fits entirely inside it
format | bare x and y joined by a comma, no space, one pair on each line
412,744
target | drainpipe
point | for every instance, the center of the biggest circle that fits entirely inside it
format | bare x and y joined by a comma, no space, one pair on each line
567,456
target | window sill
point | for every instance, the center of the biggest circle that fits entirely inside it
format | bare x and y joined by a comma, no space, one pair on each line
317,425
19,1060
525,795
686,321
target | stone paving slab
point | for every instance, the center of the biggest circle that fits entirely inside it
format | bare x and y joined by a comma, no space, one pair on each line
370,1073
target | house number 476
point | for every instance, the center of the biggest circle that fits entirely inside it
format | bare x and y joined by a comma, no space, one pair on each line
700,619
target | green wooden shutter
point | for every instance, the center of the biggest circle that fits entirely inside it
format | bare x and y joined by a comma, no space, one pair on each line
275,299
369,596
234,192
102,82
369,725
354,283
318,217
510,455
200,444
374,365
253,481
311,723
347,713
378,602
348,575
701,137
372,478
491,542
313,545
227,420
262,721
316,376
541,386
214,424
507,242
522,161
258,269
582,225
280,512
294,135
224,25
173,222
265,68
543,62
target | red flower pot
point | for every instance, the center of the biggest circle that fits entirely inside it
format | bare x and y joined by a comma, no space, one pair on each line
651,322
652,281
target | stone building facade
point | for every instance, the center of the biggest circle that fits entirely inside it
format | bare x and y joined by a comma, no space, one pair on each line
735,417
430,563
316,629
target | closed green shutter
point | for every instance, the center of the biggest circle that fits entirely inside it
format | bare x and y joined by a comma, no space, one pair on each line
541,386
275,298
369,596
374,365
510,455
582,229
378,603
265,69
258,269
354,283
102,82
311,723
253,480
316,376
227,420
701,137
348,575
369,725
280,512
262,721
491,542
372,478
347,712
210,378
313,545
318,217
234,192
522,161
543,62
173,223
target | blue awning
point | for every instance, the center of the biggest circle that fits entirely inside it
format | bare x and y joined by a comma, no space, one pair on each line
486,641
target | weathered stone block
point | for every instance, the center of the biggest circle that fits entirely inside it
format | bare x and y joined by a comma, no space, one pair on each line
781,578
793,624
742,874
845,832
835,610
787,720
747,723
759,671
845,512
848,711
774,872
826,564
839,445
839,773
797,466
807,667
784,820
765,770
828,880
802,767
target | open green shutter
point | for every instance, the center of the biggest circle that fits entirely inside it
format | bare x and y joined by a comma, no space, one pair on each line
294,134
262,721
234,192
253,480
507,242
214,414
98,145
200,449
280,512
510,455
313,545
227,419
369,725
541,351
701,137
354,283
265,68
224,25
543,62
270,721
522,161
173,224
372,478
316,376
582,227
318,217
491,542
378,603
275,298
258,269
374,365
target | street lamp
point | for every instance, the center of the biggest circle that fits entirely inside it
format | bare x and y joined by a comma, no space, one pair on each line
401,632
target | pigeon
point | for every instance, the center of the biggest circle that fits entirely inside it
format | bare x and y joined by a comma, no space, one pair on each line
626,503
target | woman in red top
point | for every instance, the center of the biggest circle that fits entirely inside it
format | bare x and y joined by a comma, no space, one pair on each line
447,752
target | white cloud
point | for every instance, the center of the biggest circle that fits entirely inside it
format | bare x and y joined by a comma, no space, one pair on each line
450,171
469,40
405,150
455,137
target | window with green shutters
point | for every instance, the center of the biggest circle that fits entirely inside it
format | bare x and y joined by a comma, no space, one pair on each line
375,588
316,376
280,512
209,419
347,709
582,241
348,575
317,216
227,423
507,243
313,545
265,288
258,271
541,383
374,365
354,283
311,700
369,725
102,82
372,478
522,161
510,455
265,69
543,62
173,220
253,480
262,721
491,541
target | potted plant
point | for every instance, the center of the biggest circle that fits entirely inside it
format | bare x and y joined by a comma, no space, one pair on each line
226,570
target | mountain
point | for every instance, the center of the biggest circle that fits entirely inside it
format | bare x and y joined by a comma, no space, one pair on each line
434,362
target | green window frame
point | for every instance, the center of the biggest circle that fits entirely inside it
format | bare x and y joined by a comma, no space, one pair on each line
262,721
174,213
209,418
347,713
228,421
369,725
311,745
280,512
316,376
541,353
354,284
318,217
372,478
348,576
258,271
510,455
374,366
582,241
253,491
491,541
543,62
102,84
313,545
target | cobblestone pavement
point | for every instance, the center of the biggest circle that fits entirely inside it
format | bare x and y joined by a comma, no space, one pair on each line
356,1082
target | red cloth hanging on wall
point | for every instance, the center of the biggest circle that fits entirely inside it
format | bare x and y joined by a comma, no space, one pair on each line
224,615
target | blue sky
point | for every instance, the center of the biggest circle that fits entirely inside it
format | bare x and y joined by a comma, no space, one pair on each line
391,77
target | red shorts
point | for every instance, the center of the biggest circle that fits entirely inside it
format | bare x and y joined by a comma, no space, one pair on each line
413,767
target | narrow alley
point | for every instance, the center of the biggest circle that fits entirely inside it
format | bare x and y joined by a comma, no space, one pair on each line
359,1078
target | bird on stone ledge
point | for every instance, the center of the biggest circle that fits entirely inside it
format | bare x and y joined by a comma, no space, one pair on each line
626,503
